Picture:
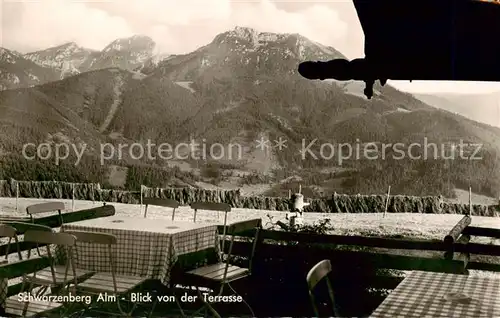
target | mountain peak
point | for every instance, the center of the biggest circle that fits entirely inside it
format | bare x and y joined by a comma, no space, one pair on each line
140,36
8,55
69,44
252,39
68,48
4,51
132,42
252,35
243,31
127,53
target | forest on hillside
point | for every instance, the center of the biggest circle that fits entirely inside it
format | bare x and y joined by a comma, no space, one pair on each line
420,178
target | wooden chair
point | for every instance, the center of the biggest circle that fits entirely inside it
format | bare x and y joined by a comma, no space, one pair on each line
213,206
168,203
46,207
319,272
23,227
7,231
60,261
10,232
29,306
217,276
107,282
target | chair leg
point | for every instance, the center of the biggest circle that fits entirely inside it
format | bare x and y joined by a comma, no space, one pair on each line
207,305
155,302
152,310
77,314
69,311
178,303
246,304
94,308
41,291
122,311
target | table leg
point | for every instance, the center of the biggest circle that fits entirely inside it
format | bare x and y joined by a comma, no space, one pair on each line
4,286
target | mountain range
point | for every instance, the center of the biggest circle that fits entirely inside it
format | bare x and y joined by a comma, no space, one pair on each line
484,108
239,88
59,62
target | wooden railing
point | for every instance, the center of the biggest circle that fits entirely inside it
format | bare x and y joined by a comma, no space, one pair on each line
364,267
460,248
455,245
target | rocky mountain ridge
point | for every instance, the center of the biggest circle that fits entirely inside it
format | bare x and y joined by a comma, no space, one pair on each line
70,59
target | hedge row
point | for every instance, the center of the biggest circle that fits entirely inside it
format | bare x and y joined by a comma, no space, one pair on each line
338,203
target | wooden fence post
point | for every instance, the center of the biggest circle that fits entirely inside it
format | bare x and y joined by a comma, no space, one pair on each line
142,187
72,196
99,190
17,195
470,200
387,201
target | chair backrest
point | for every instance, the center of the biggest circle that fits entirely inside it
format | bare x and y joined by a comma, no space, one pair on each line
11,233
240,227
319,272
211,206
7,231
93,237
168,203
101,239
64,240
243,226
46,207
23,227
45,237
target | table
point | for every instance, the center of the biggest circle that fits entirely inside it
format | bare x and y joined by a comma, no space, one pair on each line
145,247
421,294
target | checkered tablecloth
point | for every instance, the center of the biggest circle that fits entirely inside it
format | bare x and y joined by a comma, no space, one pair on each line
423,294
146,247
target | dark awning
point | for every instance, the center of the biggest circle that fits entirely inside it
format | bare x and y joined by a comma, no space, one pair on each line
432,39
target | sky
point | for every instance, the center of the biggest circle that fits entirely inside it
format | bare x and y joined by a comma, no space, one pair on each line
181,26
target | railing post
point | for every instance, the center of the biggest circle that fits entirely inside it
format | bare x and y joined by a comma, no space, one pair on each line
457,230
